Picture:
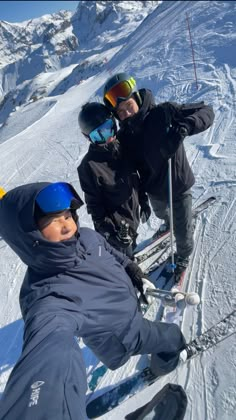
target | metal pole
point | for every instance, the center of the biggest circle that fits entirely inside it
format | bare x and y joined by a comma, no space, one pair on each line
171,215
191,44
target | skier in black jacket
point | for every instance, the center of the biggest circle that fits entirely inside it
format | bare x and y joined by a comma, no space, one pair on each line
110,183
151,134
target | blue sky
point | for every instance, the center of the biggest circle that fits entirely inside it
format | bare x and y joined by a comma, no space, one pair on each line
18,11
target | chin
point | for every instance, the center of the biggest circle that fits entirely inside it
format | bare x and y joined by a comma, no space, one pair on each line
110,140
66,238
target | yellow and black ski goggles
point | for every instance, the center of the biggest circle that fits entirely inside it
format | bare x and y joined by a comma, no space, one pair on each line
120,92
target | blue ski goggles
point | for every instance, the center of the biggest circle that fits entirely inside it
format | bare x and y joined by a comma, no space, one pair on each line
57,197
102,133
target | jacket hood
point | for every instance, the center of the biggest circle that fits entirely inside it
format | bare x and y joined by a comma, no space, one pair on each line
19,230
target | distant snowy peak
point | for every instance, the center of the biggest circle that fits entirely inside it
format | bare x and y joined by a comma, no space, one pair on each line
92,18
53,42
50,31
61,33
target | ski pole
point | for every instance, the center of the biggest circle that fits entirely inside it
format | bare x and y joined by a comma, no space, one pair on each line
171,215
191,298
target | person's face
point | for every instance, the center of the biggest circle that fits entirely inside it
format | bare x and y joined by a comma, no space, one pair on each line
127,109
58,227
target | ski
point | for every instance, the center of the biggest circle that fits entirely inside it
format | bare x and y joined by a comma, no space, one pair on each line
152,246
114,397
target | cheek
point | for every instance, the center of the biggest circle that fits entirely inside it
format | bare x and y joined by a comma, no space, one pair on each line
134,109
72,225
51,231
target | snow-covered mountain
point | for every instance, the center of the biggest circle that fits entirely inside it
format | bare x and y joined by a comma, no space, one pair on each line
52,42
40,141
106,22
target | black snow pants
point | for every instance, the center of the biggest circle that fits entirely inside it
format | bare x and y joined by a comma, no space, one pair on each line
182,220
49,379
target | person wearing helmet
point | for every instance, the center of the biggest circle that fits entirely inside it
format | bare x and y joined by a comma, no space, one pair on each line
150,135
111,185
75,285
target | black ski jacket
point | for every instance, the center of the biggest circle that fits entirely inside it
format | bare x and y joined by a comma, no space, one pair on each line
111,188
146,142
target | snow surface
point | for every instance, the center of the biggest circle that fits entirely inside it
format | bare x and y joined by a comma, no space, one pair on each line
41,141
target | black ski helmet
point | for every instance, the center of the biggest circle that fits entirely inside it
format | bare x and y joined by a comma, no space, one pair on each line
116,79
92,115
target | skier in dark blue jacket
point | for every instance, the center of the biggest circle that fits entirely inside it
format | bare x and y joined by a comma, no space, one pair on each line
76,284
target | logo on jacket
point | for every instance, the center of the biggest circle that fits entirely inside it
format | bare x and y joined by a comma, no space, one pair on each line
34,396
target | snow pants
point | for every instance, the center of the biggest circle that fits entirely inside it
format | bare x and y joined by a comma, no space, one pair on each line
182,220
49,380
164,342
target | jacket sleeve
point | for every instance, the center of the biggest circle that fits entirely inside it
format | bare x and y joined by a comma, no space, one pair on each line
169,118
119,256
94,201
197,116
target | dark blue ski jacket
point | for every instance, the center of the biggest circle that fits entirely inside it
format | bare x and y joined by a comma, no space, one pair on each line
86,278
83,275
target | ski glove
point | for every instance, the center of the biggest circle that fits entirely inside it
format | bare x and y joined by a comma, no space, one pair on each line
118,243
177,131
175,135
177,127
147,284
145,212
138,278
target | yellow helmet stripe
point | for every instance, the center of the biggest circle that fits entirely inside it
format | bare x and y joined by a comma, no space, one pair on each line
2,192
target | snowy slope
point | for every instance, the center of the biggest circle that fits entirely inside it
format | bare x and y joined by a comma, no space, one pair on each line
41,141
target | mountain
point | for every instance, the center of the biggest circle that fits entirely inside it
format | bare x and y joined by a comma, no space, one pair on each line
54,42
102,22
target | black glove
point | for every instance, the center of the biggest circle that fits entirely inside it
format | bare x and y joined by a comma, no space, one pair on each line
145,212
118,243
174,129
175,135
137,276
177,131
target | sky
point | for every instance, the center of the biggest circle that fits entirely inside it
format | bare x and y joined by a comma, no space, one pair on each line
18,11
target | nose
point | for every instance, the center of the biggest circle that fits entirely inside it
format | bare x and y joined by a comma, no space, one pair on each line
65,229
124,114
64,226
127,113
